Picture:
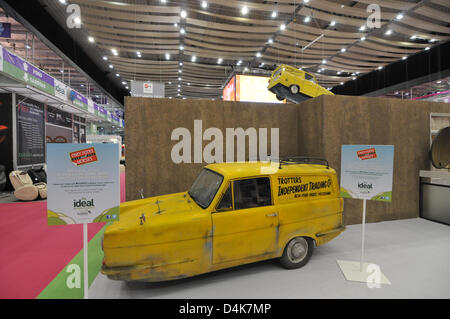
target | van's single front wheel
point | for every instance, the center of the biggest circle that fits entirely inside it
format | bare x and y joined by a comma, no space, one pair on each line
294,89
297,252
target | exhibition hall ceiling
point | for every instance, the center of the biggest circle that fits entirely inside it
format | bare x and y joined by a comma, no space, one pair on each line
30,47
194,46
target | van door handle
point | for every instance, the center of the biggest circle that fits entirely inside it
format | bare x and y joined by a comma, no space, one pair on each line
272,215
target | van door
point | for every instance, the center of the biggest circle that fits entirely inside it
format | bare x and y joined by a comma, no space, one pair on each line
250,228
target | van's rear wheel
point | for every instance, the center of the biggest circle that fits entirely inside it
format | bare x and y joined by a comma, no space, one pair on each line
297,252
294,89
279,97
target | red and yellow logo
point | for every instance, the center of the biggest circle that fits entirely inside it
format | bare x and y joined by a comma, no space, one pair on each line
367,154
85,156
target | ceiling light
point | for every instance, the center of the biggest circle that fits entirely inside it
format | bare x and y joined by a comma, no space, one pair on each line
170,82
270,41
219,60
427,48
258,55
180,64
111,66
189,83
183,14
194,58
274,14
332,23
179,71
27,46
91,39
342,83
182,31
282,27
363,38
179,79
353,78
433,40
404,58
114,51
62,1
181,47
246,69
167,56
307,19
77,20
305,1
239,62
343,49
163,1
105,58
439,82
362,28
320,71
124,82
388,32
380,67
339,73
413,37
175,25
82,85
117,74
244,10
324,61
62,71
204,4
399,16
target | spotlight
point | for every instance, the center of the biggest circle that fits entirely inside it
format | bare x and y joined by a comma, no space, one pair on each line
183,14
244,10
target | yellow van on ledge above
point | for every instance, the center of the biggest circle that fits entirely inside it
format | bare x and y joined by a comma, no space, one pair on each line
288,82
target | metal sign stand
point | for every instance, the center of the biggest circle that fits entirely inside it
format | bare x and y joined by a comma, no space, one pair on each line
85,261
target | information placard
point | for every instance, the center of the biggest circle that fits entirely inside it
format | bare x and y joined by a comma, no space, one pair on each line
83,183
366,172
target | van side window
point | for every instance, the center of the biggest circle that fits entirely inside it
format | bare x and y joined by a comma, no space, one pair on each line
309,77
226,202
249,193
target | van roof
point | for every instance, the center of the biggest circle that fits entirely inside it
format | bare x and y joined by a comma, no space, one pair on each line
249,169
294,69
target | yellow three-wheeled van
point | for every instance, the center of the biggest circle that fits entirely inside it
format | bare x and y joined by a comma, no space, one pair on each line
234,214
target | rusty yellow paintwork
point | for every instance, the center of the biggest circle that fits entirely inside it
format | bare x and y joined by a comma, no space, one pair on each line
179,239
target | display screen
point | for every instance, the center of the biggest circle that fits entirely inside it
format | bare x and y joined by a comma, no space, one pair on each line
229,91
251,88
59,117
30,132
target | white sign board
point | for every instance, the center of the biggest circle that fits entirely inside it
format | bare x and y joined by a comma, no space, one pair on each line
82,183
60,90
366,172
